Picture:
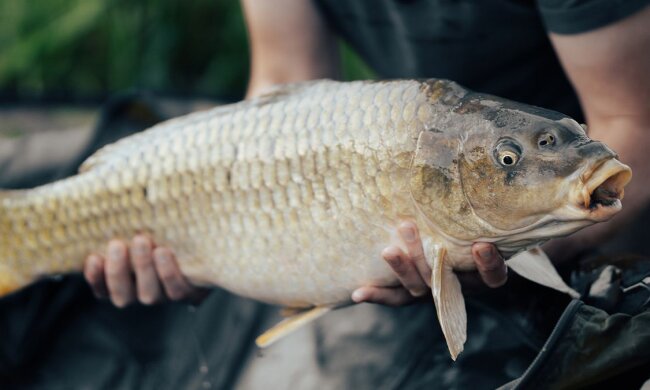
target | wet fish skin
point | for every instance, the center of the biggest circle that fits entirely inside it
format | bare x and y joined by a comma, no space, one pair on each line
270,173
291,197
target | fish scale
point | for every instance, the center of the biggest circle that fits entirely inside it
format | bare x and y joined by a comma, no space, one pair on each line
290,177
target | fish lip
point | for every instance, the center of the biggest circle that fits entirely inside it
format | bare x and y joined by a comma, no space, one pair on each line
603,188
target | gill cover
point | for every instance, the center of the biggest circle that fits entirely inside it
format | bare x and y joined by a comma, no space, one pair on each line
437,186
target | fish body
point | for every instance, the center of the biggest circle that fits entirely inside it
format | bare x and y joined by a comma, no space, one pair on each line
290,198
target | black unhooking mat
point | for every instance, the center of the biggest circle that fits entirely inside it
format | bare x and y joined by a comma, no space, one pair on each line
56,335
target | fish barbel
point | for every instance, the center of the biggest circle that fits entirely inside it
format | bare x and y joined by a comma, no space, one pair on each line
290,198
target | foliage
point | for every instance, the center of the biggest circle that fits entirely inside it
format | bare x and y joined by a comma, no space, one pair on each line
80,49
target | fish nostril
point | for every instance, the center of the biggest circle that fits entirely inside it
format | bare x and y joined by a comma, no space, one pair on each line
546,140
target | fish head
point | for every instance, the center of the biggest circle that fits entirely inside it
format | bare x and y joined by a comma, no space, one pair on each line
513,168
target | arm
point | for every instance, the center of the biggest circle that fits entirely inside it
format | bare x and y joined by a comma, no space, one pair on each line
609,67
289,42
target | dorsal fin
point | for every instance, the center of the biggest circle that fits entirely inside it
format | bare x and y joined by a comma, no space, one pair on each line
96,158
278,91
167,128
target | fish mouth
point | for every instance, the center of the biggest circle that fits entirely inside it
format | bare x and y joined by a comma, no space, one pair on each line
603,188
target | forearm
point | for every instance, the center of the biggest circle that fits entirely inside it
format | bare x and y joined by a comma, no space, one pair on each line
289,42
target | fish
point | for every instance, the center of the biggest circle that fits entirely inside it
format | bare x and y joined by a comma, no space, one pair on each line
289,198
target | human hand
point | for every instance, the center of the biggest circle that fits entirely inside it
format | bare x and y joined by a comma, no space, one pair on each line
139,271
414,273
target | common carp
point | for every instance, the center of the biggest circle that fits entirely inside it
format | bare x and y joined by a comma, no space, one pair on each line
290,198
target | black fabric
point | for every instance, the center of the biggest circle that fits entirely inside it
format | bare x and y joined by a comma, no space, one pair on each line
56,335
576,16
591,349
499,47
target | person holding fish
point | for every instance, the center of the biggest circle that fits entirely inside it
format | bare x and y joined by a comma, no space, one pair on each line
587,59
314,56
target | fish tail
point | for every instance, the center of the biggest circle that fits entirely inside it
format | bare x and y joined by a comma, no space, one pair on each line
10,277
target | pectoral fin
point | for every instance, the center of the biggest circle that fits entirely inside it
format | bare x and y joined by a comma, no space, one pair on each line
291,323
534,265
450,304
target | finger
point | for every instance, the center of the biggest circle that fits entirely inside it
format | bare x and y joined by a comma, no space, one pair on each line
174,283
119,279
148,287
405,270
390,296
490,264
409,233
94,274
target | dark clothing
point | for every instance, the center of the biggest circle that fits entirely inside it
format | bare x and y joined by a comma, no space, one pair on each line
591,349
57,335
491,46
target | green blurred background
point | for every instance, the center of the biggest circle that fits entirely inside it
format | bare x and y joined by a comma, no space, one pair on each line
80,50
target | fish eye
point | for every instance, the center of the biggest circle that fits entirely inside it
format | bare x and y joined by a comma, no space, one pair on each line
508,158
508,152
